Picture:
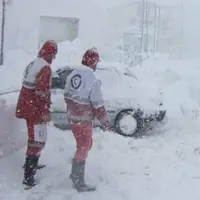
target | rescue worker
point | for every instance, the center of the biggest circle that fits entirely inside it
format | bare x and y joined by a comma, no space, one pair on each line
84,101
33,106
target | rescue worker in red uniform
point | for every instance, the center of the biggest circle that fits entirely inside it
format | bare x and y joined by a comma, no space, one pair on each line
84,101
33,106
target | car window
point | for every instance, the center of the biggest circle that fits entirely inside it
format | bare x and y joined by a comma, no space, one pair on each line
108,77
59,79
63,76
117,85
107,70
64,73
127,72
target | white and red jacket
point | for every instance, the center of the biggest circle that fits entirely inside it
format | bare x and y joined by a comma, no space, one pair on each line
34,99
84,97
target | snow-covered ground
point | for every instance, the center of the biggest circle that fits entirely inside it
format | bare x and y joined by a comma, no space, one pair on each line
163,166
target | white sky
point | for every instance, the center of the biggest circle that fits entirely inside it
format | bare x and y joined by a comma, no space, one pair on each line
191,16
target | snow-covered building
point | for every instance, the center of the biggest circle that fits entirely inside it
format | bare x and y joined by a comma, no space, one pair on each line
122,18
160,25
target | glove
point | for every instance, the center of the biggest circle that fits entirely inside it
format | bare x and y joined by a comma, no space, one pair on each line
46,118
106,126
46,115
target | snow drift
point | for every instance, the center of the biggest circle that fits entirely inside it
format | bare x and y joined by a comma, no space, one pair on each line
12,130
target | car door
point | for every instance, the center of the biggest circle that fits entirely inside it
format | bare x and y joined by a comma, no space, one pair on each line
58,106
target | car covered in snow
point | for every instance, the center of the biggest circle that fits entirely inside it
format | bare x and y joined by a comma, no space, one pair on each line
132,107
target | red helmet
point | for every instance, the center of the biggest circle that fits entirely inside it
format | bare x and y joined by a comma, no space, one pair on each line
48,51
91,58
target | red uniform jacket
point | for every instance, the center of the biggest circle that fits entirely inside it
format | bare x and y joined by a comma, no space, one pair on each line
34,98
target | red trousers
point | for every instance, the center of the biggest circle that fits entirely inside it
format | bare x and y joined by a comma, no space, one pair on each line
83,134
37,136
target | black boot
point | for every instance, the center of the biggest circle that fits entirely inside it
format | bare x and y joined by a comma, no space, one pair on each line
77,177
39,166
30,170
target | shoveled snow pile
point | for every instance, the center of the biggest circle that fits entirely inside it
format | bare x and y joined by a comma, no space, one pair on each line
69,52
178,82
11,71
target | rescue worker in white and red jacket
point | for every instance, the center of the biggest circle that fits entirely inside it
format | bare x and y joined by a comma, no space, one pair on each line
84,100
33,106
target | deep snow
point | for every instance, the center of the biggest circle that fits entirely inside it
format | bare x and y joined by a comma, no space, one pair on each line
163,166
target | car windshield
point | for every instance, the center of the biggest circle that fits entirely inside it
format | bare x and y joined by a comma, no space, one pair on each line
115,83
125,70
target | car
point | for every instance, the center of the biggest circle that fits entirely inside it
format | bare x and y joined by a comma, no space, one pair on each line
132,107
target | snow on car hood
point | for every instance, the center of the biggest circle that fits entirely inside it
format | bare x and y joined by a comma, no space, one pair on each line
126,91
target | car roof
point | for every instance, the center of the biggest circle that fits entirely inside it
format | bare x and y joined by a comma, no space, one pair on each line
118,67
100,65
